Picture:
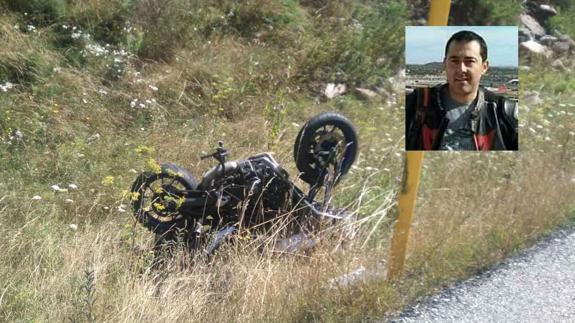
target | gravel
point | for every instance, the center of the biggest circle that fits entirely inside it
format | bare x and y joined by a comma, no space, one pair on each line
536,286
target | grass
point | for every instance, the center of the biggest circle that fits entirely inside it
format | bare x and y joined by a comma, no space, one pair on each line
94,115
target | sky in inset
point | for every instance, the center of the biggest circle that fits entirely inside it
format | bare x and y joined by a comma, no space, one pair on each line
425,44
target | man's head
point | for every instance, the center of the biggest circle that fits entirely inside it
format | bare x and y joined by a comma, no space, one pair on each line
465,62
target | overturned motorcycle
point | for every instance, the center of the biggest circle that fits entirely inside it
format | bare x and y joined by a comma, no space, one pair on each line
252,197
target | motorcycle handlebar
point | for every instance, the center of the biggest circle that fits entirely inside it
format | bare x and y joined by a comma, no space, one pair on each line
208,156
219,154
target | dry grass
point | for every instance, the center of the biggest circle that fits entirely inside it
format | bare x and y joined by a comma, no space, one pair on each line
464,228
105,272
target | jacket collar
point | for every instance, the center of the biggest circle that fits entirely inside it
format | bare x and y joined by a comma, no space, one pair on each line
480,99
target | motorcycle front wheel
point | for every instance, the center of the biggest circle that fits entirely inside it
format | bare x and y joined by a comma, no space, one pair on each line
157,197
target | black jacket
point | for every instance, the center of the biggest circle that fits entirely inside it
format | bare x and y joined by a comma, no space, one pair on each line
493,121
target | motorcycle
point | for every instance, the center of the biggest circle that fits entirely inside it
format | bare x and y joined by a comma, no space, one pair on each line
251,197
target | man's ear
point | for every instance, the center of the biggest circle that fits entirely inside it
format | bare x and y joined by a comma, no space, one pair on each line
485,67
443,65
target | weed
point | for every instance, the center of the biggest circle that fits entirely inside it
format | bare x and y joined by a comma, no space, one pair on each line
85,298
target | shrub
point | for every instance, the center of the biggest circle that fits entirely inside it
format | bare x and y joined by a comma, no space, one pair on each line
362,48
565,20
485,12
39,12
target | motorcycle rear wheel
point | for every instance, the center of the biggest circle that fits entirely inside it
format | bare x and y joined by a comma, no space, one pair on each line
320,134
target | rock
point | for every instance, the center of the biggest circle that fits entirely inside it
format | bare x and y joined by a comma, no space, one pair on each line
366,93
525,34
561,47
566,38
6,86
93,138
558,64
548,40
295,243
531,98
542,12
333,90
421,22
16,135
547,10
58,189
349,278
532,26
536,48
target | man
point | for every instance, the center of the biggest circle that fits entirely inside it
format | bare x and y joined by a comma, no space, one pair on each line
461,115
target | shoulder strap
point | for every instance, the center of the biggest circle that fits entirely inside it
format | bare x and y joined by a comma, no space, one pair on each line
422,104
425,98
510,109
507,107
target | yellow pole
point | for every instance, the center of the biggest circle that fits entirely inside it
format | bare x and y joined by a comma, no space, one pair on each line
438,16
407,196
439,12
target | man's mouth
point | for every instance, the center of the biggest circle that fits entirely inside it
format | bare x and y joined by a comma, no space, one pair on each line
462,79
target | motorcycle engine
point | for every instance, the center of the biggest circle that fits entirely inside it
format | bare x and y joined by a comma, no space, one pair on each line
257,187
275,186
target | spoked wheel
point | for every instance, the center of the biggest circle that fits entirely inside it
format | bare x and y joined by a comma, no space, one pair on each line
327,141
157,197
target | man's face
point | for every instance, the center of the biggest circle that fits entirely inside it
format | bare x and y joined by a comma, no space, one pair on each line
464,68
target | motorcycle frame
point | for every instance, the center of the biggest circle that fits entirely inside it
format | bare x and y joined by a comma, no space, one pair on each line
199,202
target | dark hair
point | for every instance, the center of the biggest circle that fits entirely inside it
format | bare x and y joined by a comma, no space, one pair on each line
468,36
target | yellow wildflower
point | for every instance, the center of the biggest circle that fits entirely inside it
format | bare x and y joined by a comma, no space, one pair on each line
153,166
108,180
141,149
134,196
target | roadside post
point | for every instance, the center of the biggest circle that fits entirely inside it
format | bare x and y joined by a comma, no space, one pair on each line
438,16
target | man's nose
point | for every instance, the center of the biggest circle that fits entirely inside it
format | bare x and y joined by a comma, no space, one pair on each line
461,67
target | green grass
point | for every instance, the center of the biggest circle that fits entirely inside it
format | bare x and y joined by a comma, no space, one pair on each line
564,22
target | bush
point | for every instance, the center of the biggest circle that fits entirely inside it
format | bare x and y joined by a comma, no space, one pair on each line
166,26
485,12
23,59
39,12
565,20
357,47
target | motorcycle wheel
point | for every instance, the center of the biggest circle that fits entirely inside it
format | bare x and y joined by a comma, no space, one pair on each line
320,134
156,198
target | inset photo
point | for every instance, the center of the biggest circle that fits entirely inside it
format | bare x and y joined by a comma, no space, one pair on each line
461,88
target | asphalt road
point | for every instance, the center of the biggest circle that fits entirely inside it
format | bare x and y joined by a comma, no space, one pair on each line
536,286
